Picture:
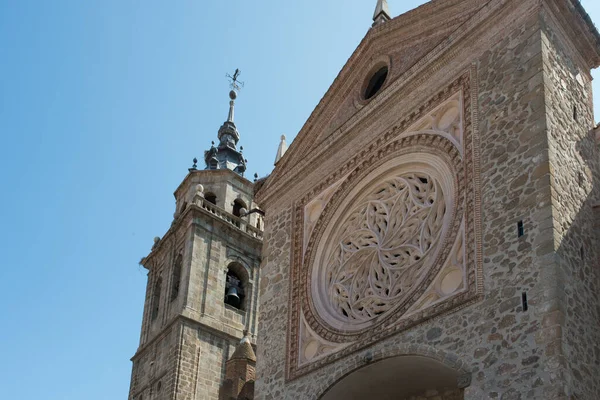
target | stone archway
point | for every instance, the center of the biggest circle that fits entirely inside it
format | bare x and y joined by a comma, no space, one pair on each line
403,377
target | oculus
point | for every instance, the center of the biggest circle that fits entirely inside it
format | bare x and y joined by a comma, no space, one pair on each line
376,82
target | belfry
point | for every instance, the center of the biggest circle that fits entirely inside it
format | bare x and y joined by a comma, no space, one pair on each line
202,293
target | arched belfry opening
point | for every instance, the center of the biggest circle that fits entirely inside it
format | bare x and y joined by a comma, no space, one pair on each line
399,378
239,207
211,198
236,283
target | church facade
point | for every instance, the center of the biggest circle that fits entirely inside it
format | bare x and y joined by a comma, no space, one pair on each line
433,230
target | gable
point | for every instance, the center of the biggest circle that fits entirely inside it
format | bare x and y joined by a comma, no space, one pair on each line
427,38
400,43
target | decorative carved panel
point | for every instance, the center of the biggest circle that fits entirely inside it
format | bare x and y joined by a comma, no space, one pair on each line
392,238
384,239
313,210
313,347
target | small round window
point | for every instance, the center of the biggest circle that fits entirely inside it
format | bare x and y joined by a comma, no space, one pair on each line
376,82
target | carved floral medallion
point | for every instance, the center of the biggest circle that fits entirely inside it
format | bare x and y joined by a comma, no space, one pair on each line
383,239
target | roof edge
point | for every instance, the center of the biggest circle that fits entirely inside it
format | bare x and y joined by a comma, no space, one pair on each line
588,20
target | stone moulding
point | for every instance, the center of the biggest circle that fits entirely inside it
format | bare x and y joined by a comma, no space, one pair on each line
460,152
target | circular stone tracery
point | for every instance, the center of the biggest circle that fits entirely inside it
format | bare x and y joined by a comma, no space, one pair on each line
382,241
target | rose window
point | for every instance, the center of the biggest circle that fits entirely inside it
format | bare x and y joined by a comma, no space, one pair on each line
382,242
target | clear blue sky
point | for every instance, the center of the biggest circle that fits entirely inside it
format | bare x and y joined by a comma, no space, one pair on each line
103,105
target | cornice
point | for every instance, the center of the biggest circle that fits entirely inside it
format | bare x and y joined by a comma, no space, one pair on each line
177,226
576,26
195,209
186,219
147,346
214,172
593,31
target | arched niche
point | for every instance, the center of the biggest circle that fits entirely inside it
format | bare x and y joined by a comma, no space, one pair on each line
237,279
399,378
211,197
238,206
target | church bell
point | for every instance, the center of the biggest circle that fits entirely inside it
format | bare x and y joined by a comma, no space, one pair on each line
232,298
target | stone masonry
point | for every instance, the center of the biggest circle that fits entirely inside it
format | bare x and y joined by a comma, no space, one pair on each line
188,332
533,333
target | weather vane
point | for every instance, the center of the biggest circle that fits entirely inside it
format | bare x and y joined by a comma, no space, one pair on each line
236,84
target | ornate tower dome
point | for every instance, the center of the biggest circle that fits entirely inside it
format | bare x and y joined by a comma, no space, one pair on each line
226,155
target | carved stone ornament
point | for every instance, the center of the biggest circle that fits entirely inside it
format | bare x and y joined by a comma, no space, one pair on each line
392,238
314,347
383,240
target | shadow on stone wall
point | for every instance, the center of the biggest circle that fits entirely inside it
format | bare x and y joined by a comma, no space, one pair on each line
576,234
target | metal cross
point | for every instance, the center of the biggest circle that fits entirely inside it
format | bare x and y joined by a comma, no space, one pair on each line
236,84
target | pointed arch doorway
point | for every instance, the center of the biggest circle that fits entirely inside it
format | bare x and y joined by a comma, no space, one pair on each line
399,378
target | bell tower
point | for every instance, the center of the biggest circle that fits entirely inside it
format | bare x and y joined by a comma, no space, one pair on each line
201,296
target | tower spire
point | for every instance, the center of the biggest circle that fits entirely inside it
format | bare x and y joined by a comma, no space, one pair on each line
281,149
226,154
382,13
232,96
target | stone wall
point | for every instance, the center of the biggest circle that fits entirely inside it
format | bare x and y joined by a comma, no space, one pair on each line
154,368
185,345
214,351
216,246
154,364
162,267
214,328
188,363
512,352
272,320
575,172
